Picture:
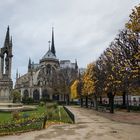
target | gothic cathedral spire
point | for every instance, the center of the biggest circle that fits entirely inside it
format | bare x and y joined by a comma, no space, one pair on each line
52,45
7,38
76,65
29,65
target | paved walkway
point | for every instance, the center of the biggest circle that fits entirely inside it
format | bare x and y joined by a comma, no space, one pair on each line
122,116
89,126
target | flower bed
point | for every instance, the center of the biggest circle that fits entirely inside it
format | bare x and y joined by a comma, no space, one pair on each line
18,122
22,125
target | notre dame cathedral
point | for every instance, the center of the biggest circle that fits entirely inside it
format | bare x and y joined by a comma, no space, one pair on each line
49,79
6,83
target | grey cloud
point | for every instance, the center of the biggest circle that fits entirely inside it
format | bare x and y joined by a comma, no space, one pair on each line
83,28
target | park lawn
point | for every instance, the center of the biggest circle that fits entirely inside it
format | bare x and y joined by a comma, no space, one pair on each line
34,120
59,115
64,116
40,110
7,116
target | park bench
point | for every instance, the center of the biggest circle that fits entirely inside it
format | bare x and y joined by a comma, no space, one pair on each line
104,108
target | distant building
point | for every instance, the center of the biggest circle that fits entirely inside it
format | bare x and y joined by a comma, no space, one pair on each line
82,70
67,64
49,79
6,83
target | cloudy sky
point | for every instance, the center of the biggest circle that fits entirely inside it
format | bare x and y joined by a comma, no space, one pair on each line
83,28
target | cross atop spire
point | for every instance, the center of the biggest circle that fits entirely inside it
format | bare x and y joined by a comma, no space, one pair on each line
52,45
49,44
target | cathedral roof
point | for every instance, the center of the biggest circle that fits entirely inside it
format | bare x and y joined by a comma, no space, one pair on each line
49,55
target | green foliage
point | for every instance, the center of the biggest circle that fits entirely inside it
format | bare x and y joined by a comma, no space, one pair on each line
46,100
15,115
16,96
135,108
32,120
28,100
52,105
21,121
42,103
22,125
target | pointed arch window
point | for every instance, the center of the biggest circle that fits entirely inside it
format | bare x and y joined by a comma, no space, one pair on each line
48,69
5,63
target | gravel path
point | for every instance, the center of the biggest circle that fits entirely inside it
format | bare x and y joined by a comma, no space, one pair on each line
89,126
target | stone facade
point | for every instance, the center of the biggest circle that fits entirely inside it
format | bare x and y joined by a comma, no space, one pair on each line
50,79
6,83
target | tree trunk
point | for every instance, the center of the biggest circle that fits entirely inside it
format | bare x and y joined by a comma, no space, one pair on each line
111,102
124,98
67,100
128,107
100,99
96,103
91,103
86,101
81,102
112,105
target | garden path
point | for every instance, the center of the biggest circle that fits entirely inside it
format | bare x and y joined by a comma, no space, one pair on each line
89,126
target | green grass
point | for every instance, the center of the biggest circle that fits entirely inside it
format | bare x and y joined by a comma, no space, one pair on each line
59,115
64,116
54,113
7,116
40,110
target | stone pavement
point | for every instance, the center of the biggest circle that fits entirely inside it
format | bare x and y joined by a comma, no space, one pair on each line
122,116
89,126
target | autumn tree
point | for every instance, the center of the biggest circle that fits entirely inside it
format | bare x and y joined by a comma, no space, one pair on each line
133,25
134,22
88,82
75,89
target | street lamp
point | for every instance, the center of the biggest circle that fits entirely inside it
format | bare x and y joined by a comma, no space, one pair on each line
128,69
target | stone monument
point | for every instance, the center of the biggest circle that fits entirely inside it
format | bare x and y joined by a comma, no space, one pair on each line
6,83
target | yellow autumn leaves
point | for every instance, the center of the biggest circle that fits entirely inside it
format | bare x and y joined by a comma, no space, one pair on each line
134,22
88,80
74,90
85,85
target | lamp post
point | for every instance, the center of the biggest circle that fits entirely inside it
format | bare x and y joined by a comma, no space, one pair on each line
128,69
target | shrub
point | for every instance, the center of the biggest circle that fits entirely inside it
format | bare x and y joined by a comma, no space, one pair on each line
25,115
135,108
52,105
15,115
16,96
42,103
27,100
